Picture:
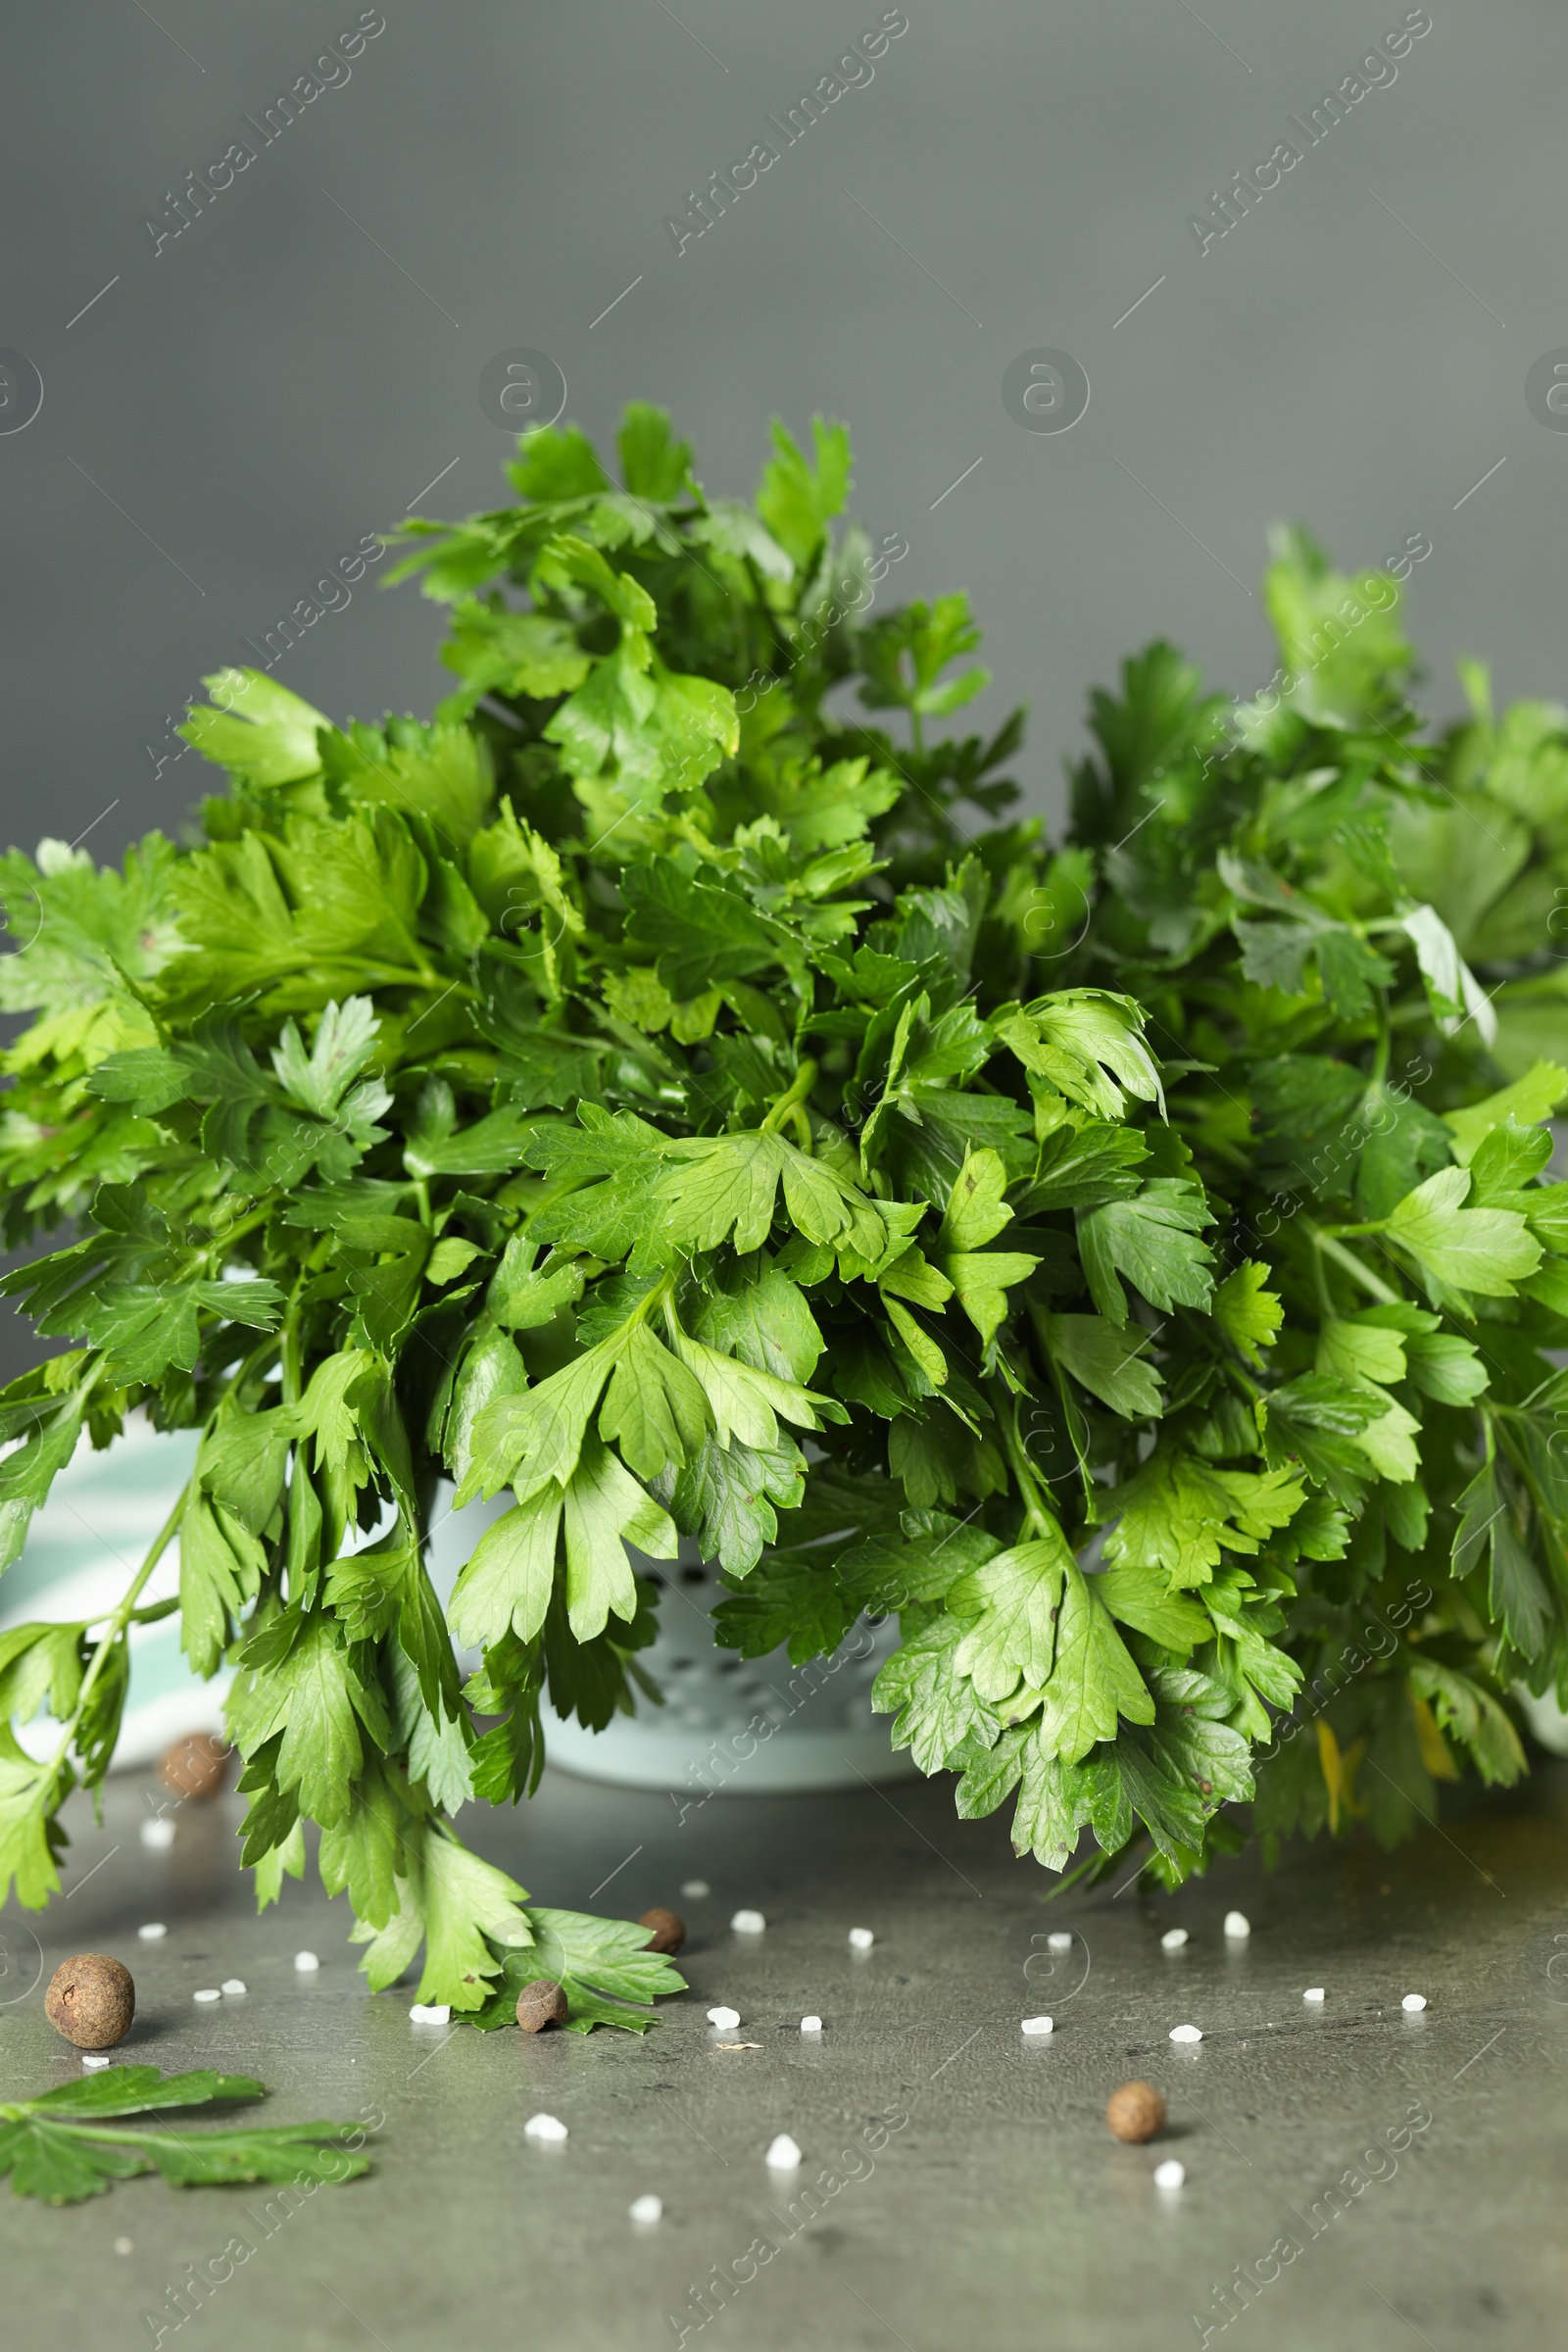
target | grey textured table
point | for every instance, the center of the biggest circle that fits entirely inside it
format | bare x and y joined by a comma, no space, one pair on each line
1000,2213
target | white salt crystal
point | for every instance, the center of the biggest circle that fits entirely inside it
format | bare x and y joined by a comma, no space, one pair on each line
233,1987
696,1889
1060,1940
811,2025
306,1962
1415,2000
1039,2025
723,2017
92,2062
544,2126
862,1939
1313,1992
158,1833
646,2209
1187,2033
1238,1923
151,1933
783,2154
748,1923
1170,2174
431,2013
1173,1939
209,1992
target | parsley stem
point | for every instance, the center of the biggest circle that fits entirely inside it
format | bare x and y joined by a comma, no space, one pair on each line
241,1226
660,1299
291,1352
1038,1514
150,1615
1332,1247
1384,1046
155,1611
396,975
120,1619
1064,1398
798,1088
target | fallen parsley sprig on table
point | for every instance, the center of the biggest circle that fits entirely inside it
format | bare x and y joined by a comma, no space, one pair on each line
664,1090
69,2143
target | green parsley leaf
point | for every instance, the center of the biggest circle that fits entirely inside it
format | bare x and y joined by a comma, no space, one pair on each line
1485,1251
68,2143
1151,1240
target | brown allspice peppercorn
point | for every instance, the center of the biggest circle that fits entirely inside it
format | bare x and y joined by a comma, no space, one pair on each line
195,1766
670,1930
1137,2111
541,2003
91,2000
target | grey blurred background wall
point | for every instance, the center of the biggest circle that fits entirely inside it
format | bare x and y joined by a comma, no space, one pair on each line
228,409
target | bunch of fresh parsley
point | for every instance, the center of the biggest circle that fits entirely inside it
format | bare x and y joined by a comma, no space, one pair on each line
653,1090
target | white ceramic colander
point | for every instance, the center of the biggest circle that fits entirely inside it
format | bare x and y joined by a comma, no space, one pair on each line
738,1726
727,1724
